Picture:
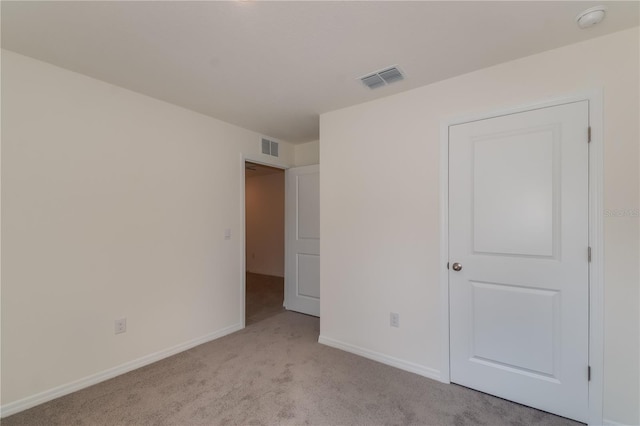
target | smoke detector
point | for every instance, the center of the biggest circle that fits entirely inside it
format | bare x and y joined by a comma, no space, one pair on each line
591,17
382,78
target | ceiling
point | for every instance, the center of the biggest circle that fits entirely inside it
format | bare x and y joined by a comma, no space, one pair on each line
273,67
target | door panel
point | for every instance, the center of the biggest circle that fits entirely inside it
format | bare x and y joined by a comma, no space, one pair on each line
515,215
518,225
309,275
308,187
302,222
531,339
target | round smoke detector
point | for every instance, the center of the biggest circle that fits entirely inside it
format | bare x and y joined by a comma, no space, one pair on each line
591,16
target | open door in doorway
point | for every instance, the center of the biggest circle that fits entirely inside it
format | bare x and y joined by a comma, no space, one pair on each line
302,261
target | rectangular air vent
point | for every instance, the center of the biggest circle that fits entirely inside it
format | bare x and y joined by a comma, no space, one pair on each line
373,81
274,149
269,147
382,78
266,146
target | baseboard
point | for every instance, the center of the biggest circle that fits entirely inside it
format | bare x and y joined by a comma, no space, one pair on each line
607,422
382,358
48,395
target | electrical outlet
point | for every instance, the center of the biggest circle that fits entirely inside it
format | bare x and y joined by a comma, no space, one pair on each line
394,319
120,325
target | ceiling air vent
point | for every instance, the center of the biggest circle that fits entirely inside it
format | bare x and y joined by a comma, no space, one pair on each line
269,147
382,78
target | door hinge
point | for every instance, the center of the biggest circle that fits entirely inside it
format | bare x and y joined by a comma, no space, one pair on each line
589,373
589,134
589,254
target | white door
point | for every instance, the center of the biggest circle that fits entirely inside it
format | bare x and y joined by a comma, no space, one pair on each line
302,222
518,228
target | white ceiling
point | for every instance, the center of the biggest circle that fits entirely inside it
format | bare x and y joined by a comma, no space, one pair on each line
273,67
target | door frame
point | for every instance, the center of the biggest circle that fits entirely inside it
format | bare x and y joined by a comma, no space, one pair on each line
596,223
243,229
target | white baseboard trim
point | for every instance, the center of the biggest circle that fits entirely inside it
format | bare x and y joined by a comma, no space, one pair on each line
607,422
58,391
382,358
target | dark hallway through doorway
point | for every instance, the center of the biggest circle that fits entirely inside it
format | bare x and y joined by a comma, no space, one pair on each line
264,297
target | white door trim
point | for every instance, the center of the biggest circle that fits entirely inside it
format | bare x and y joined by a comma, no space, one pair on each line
243,231
596,220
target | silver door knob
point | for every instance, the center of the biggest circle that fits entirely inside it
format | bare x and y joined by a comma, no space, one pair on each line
457,266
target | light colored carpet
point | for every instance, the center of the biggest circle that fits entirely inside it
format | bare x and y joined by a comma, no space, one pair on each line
274,372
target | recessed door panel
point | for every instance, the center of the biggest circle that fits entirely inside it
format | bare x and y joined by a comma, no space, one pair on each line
308,214
309,275
514,183
515,326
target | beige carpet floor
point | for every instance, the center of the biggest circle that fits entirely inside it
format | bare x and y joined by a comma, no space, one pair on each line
274,372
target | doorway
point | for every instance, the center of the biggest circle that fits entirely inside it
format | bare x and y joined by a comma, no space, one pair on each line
264,241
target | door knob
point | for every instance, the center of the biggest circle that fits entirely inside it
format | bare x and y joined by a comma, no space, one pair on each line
457,266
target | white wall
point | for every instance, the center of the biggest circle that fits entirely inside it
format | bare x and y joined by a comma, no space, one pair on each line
306,154
380,205
113,204
264,197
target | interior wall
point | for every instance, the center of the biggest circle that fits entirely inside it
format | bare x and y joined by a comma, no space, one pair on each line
306,154
264,212
114,205
380,216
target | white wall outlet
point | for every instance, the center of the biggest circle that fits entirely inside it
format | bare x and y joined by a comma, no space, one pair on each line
227,234
120,325
394,319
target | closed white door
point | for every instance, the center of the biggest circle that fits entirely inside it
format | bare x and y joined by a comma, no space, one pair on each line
302,222
518,240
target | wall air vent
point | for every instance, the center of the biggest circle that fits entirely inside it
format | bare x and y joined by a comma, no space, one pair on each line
382,78
269,147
